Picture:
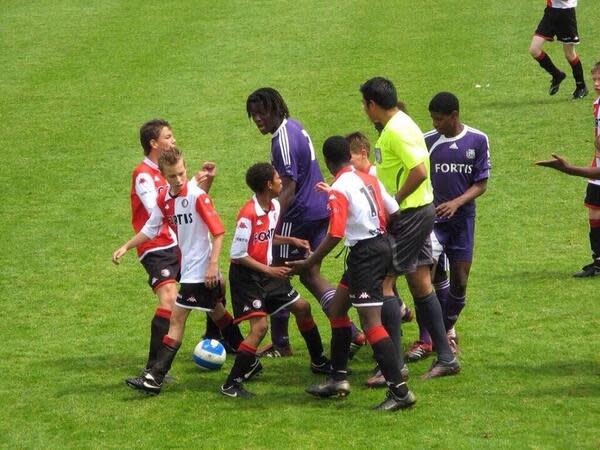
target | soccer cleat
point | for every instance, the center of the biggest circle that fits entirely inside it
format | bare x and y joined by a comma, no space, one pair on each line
555,83
393,403
442,369
418,350
329,388
324,367
254,370
235,390
357,343
588,271
378,380
145,383
580,92
274,351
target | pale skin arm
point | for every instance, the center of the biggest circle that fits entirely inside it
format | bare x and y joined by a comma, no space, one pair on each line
138,239
211,276
416,176
272,271
448,209
562,165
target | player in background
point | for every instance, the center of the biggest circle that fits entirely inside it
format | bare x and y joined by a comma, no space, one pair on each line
358,204
593,174
402,164
190,212
303,211
460,164
559,20
159,256
257,287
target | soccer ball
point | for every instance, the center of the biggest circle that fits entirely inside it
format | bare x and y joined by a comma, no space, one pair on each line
209,354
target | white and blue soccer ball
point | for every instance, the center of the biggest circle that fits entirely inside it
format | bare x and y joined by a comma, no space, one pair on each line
209,354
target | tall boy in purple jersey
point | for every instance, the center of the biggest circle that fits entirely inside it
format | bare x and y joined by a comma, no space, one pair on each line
460,164
304,212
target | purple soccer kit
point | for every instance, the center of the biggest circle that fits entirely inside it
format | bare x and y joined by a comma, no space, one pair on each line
306,217
456,164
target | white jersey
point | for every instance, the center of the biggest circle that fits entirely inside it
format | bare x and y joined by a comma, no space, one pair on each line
192,216
561,4
357,205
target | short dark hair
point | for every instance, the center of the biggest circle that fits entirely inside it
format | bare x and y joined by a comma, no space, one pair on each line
356,141
169,157
259,175
269,101
444,103
381,91
151,130
336,150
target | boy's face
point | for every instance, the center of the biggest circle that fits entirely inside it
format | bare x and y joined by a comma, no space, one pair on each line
443,123
360,158
596,80
165,140
176,176
264,121
275,185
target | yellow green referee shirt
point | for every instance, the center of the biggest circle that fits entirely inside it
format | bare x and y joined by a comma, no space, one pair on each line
400,148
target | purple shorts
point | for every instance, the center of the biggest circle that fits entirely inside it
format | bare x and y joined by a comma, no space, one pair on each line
457,237
313,231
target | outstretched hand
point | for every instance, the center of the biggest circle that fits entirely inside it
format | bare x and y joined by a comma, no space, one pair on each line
558,162
321,186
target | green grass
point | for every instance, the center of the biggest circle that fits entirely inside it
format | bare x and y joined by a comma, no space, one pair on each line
77,80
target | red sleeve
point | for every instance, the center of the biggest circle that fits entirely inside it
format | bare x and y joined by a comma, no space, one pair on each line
208,213
337,204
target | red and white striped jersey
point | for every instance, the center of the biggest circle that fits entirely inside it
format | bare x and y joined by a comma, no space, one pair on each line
561,4
146,182
192,215
254,231
357,205
596,159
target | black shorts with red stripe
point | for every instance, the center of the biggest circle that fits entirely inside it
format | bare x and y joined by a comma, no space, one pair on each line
162,266
558,22
199,296
254,294
592,196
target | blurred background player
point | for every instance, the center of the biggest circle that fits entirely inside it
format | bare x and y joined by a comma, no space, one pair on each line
190,212
358,205
303,211
403,167
593,174
559,20
459,158
259,289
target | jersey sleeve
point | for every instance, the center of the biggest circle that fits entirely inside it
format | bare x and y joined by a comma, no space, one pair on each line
481,167
146,190
209,215
337,204
154,223
283,156
389,203
241,238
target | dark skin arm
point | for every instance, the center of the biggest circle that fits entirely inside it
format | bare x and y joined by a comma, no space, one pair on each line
447,209
416,176
562,165
316,257
287,194
272,271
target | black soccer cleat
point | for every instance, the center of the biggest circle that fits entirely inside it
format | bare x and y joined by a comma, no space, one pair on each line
580,92
235,390
555,83
254,370
323,367
329,388
588,271
442,369
145,383
393,403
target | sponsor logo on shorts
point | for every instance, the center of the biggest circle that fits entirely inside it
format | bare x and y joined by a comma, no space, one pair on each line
256,304
165,272
364,295
192,300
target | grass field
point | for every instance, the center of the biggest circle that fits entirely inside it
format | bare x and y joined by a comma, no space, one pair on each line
77,80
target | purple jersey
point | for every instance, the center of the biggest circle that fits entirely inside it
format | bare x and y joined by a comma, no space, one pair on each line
456,164
293,155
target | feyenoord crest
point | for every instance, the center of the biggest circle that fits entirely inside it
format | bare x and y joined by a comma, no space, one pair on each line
185,203
377,152
256,304
470,153
165,272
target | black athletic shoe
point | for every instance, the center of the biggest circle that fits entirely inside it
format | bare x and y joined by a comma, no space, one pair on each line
580,92
588,271
442,369
145,383
324,367
393,403
329,388
555,83
235,390
255,369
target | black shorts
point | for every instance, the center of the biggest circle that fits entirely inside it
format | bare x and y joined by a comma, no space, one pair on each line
410,238
561,23
198,296
162,266
592,196
254,294
368,263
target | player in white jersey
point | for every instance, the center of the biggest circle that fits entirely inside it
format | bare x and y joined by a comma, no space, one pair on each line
559,20
189,211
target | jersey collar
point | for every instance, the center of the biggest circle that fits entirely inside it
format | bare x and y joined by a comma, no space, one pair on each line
276,132
343,170
182,193
150,163
258,209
